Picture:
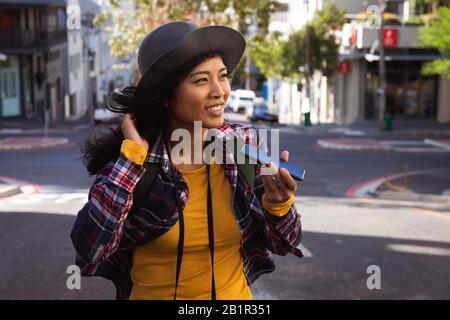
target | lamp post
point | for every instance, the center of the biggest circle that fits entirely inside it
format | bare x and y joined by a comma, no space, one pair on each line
382,68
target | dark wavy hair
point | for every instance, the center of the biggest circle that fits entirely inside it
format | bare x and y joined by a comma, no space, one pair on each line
147,108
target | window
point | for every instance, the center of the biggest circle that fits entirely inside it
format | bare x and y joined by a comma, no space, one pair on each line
58,89
39,64
13,92
9,84
5,85
27,21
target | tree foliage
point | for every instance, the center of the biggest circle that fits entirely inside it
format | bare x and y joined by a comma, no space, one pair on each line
128,21
280,58
437,35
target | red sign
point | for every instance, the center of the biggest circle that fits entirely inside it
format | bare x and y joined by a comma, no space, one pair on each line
354,37
390,37
344,67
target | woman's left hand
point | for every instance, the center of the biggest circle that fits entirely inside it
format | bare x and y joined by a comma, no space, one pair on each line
279,186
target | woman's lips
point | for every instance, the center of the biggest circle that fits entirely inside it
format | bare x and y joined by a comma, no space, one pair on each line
215,111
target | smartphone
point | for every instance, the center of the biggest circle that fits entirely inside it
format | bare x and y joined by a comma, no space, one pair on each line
261,157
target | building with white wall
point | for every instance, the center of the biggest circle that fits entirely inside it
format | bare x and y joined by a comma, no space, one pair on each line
75,103
99,62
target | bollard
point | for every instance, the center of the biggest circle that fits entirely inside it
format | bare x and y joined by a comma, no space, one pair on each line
388,121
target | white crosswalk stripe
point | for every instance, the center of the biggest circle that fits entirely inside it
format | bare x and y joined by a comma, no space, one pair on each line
413,146
306,252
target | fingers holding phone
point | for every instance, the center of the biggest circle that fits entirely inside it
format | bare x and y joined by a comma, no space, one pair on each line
279,185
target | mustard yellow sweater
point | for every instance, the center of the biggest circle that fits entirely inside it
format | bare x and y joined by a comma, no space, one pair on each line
154,263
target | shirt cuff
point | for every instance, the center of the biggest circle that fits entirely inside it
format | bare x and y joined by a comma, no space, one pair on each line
133,151
278,209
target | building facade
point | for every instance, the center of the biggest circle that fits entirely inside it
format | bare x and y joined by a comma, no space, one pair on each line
32,43
409,93
351,95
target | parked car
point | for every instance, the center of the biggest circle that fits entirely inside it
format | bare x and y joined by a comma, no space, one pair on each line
242,101
261,113
103,115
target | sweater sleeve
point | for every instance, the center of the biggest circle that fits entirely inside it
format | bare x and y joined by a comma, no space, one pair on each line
278,209
133,151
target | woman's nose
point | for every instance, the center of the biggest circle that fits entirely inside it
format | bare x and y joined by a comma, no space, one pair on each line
217,91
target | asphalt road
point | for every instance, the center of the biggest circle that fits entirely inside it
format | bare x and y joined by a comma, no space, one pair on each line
410,243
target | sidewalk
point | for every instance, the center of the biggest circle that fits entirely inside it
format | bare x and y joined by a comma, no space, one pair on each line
416,129
28,134
36,126
427,135
32,143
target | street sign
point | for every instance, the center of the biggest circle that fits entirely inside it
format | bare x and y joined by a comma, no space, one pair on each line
390,37
344,67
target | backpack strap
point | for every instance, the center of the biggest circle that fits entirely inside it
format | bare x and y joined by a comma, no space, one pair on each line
247,170
143,186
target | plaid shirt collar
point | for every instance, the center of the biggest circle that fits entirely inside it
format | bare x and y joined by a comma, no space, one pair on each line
226,132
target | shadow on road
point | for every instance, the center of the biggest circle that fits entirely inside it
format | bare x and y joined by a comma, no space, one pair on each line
338,269
36,251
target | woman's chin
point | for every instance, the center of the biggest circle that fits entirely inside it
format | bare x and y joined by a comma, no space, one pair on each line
213,123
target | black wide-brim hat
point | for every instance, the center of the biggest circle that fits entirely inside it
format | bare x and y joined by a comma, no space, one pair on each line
175,43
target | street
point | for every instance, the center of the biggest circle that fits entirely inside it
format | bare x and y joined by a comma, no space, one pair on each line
343,238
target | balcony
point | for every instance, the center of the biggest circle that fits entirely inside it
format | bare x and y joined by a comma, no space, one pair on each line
31,41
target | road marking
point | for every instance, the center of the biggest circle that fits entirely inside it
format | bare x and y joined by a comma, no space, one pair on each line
35,198
306,252
412,146
432,213
419,150
419,249
405,143
70,196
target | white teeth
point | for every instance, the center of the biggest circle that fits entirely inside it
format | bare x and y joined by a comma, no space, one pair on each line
215,108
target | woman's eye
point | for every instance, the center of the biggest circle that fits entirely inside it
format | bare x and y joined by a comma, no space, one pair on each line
201,80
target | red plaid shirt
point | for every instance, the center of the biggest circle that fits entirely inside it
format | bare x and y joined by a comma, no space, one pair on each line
104,235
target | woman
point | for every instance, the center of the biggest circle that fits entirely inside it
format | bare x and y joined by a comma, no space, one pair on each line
193,215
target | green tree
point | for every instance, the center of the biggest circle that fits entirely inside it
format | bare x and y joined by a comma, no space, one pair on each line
128,21
267,54
277,58
426,6
437,35
323,51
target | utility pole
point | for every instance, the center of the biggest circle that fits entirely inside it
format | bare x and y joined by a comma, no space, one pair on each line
381,68
307,66
252,30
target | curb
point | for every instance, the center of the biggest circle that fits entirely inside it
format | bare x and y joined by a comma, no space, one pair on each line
18,186
349,144
412,196
10,190
31,143
369,189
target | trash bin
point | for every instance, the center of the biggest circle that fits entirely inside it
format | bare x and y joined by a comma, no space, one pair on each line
306,119
388,121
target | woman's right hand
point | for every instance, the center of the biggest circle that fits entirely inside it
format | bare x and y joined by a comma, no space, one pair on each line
130,132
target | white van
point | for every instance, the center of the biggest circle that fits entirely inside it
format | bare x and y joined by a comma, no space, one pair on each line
242,100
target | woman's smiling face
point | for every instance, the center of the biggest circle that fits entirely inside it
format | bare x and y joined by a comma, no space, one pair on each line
201,96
